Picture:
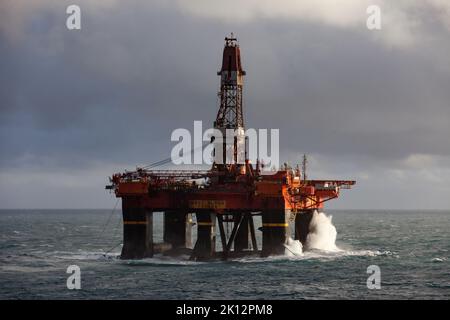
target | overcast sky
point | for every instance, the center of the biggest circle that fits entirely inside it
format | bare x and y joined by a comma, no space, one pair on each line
77,106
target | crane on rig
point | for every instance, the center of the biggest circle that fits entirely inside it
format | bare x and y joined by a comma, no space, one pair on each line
231,196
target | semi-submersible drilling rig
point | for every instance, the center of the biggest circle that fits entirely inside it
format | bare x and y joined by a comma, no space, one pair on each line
232,195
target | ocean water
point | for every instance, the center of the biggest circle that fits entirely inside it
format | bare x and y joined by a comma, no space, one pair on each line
411,249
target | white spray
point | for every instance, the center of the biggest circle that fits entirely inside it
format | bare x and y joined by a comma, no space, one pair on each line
293,248
322,233
321,236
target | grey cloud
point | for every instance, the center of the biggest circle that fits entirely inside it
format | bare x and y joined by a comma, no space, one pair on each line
114,91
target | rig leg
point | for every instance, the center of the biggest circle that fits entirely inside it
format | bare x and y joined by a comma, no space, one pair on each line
302,221
242,236
189,230
252,233
205,246
223,237
177,231
275,228
237,223
137,233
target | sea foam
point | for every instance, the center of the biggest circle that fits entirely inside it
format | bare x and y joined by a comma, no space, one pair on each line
322,233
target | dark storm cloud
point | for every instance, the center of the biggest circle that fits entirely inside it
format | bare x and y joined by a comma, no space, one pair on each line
133,73
118,84
337,92
114,91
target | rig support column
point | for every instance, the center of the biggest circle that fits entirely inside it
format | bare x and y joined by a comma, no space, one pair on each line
302,221
205,246
252,232
275,228
137,233
177,230
242,236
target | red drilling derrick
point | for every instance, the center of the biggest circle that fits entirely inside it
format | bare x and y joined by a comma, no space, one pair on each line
231,194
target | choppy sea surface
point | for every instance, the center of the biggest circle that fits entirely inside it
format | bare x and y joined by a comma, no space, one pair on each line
411,249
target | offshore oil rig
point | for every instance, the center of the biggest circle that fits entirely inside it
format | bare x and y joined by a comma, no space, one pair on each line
229,198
